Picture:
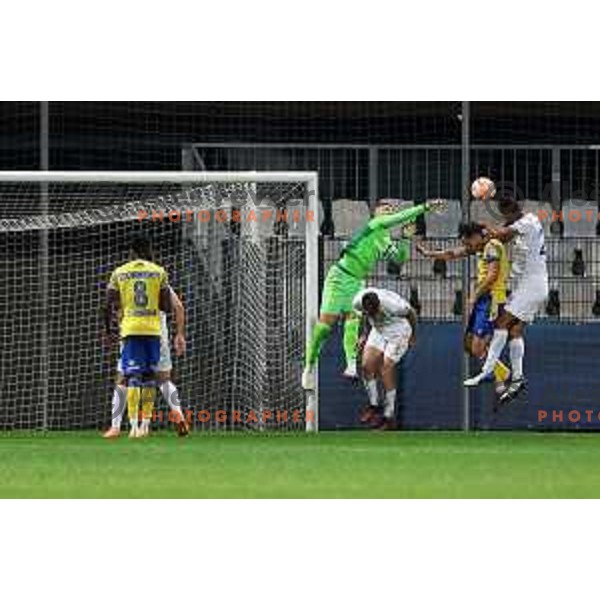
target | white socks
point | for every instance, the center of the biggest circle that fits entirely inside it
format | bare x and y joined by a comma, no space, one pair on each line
495,351
517,352
389,404
118,405
171,395
373,393
389,401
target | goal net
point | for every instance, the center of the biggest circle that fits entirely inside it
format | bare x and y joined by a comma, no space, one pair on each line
240,249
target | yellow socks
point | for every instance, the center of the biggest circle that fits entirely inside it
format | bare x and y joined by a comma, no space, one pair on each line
148,398
133,405
501,372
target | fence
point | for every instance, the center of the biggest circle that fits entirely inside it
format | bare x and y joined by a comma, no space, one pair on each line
378,153
546,177
550,179
415,171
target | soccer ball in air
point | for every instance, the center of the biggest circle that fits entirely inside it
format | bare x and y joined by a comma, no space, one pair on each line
483,189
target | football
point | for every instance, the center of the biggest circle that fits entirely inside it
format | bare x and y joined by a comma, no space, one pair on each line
483,189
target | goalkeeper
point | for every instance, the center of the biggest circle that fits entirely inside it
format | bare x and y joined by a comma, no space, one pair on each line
346,278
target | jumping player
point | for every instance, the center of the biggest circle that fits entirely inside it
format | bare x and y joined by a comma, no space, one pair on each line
139,290
393,326
347,276
489,297
530,281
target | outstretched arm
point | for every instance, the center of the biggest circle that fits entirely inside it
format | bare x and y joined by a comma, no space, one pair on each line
410,215
450,254
504,234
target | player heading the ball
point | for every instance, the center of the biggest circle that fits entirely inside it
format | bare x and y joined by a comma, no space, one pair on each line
529,274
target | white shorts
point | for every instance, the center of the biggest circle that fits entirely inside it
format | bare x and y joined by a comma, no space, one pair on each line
393,343
528,299
164,364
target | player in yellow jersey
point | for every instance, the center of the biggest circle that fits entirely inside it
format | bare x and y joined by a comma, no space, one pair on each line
139,291
165,384
489,297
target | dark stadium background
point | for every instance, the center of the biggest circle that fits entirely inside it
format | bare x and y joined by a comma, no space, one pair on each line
149,135
562,351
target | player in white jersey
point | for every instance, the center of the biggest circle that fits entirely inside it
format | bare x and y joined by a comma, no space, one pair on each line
163,375
530,282
392,323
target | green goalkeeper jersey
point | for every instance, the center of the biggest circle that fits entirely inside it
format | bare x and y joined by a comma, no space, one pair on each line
373,243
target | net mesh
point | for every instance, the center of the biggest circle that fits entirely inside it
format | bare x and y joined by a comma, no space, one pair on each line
235,253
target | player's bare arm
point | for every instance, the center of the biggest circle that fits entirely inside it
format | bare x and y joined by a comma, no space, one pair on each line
111,312
412,319
179,313
164,303
457,253
504,234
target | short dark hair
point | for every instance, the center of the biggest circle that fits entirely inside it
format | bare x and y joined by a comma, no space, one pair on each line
141,246
508,205
370,302
466,230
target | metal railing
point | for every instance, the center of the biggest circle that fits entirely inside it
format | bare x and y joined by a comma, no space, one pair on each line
437,291
416,172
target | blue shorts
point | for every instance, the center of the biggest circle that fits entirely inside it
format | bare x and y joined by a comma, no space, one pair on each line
140,355
481,321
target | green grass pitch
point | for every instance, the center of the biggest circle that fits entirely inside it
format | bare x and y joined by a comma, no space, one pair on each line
328,465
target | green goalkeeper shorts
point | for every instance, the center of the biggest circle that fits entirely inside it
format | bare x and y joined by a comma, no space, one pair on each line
339,291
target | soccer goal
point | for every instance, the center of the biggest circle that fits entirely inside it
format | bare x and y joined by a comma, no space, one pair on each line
241,250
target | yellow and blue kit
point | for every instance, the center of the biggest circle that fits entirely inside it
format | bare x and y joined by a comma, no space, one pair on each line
139,284
489,305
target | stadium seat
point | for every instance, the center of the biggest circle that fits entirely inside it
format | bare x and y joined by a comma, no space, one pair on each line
553,304
578,267
348,216
580,219
444,225
561,257
440,268
437,298
596,306
458,306
577,258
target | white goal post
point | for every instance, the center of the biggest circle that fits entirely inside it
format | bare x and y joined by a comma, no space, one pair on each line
241,248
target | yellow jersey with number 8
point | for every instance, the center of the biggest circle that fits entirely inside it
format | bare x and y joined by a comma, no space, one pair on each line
139,284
